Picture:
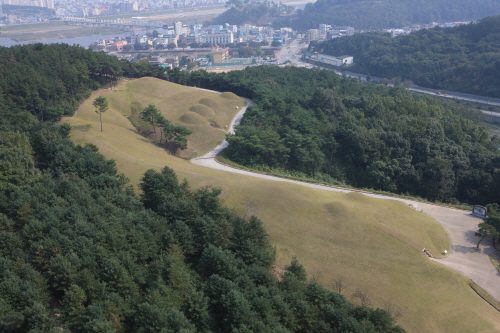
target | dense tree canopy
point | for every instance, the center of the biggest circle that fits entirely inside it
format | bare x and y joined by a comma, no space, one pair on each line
464,58
259,13
49,81
340,130
363,14
80,251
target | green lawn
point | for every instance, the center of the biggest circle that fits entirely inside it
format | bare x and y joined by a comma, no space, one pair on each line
375,243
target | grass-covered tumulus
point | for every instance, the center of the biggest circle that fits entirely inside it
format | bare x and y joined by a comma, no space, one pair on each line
376,244
206,113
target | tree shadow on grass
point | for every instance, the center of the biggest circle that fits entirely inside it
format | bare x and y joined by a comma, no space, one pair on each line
146,140
82,128
133,130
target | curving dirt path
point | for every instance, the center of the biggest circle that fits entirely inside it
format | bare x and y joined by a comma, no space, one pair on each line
459,224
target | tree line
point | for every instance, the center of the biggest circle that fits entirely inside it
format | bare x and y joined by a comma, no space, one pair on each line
339,130
242,12
331,128
50,81
464,58
79,250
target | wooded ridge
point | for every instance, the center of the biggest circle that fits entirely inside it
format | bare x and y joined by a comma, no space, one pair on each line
340,130
366,14
79,250
464,59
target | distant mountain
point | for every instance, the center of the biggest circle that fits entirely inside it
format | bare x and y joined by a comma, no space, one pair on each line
263,14
248,14
364,14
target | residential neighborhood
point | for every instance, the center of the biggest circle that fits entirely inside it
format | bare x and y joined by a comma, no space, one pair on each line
221,45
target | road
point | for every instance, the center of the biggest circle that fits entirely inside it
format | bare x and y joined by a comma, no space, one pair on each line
459,224
451,96
291,53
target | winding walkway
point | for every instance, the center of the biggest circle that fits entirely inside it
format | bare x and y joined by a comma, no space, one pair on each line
459,224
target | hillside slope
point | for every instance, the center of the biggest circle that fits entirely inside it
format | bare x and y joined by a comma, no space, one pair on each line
206,113
464,59
364,14
376,243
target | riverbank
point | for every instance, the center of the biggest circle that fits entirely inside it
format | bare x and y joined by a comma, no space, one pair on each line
50,31
28,37
53,30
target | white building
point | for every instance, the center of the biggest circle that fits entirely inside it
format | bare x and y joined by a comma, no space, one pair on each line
313,34
223,38
323,28
233,28
180,29
246,29
335,61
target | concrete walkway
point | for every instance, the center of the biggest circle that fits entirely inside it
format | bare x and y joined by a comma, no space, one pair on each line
476,265
459,224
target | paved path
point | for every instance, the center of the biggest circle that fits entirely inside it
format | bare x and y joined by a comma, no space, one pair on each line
464,258
459,224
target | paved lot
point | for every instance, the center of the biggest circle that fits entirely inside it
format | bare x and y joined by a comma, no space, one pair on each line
464,259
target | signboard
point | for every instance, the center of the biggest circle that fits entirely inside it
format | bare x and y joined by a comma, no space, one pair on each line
479,211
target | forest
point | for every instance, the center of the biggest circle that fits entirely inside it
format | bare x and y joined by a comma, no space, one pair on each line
82,252
464,58
339,130
367,14
260,13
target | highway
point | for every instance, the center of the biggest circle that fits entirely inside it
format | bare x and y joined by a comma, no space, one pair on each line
292,53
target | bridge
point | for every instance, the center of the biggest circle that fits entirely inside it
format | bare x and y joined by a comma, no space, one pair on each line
123,24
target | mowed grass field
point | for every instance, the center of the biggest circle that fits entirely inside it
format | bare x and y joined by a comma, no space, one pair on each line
205,113
375,243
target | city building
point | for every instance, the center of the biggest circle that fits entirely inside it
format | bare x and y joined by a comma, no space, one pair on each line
118,46
219,55
221,38
331,60
313,34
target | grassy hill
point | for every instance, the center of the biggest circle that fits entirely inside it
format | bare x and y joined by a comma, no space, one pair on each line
375,243
206,113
